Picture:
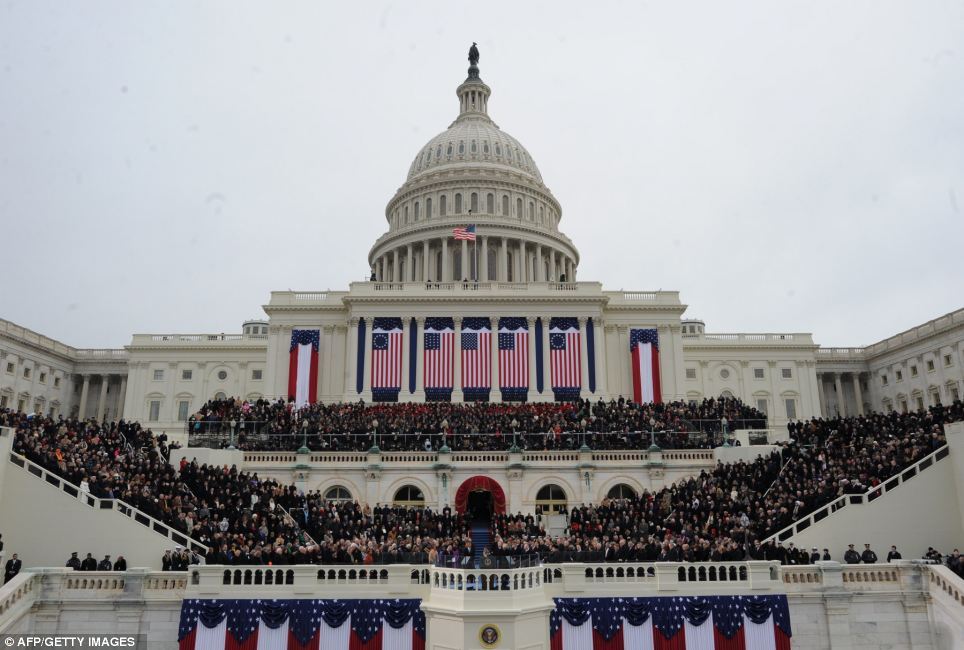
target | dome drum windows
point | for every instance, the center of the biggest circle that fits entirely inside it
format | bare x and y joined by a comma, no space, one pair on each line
428,208
505,205
458,204
490,203
461,147
442,206
474,203
474,148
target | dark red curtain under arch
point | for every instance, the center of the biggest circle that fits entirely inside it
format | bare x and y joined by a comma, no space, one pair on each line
480,483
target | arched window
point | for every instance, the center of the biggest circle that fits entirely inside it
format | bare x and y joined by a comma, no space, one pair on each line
428,157
621,491
458,204
417,211
443,206
474,202
449,150
551,499
493,264
438,152
474,147
532,211
505,205
542,213
485,147
337,493
490,203
461,146
220,395
406,214
498,149
409,495
428,208
518,208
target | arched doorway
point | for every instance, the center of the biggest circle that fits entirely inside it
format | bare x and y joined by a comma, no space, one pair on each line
480,497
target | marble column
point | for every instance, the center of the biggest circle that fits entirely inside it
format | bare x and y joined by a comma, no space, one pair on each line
457,362
484,261
521,265
406,337
446,277
102,400
504,261
464,266
841,402
540,273
85,389
367,383
122,398
821,395
599,339
532,354
495,394
583,359
409,264
351,357
419,359
396,271
553,276
426,273
858,393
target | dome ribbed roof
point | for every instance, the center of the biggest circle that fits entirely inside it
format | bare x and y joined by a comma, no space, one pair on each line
477,142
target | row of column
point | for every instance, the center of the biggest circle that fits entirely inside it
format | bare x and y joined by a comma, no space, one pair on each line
843,409
599,352
102,399
515,260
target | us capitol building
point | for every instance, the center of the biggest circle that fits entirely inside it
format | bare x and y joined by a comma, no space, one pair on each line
520,266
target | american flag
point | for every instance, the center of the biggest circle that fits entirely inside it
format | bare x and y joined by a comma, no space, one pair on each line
303,366
439,353
386,356
677,623
644,349
513,354
476,354
565,356
301,624
467,233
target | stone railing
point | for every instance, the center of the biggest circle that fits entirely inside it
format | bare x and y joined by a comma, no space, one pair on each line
17,597
96,503
197,340
310,578
381,290
36,339
304,299
860,499
930,328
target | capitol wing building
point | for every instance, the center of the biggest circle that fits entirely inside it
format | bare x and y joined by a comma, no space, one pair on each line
503,297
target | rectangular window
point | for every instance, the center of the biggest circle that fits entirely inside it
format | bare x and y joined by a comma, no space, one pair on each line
3,401
787,373
56,382
920,403
913,371
900,376
43,378
26,373
256,375
186,375
883,380
182,408
936,398
948,361
155,411
955,394
930,365
791,409
761,405
20,405
691,373
10,368
158,375
758,373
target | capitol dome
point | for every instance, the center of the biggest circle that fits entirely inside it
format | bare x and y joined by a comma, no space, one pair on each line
473,174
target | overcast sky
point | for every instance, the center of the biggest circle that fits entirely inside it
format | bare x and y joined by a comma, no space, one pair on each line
787,166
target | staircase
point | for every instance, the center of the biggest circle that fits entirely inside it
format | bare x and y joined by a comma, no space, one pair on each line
480,539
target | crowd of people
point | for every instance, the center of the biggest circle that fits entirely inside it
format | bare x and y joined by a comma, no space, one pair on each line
480,426
90,563
725,513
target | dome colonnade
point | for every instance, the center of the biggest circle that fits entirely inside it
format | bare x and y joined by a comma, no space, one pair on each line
473,173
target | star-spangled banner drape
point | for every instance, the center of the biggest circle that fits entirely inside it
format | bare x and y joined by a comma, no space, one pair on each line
303,366
476,347
363,624
386,359
513,358
565,357
439,358
644,349
671,623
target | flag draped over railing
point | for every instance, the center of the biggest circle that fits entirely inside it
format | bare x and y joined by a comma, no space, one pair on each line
644,349
438,358
303,366
386,359
513,358
671,623
301,625
565,358
476,358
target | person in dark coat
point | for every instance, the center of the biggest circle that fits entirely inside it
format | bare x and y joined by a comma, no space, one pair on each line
89,563
894,554
74,562
12,568
868,556
120,564
826,555
851,556
105,564
814,555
